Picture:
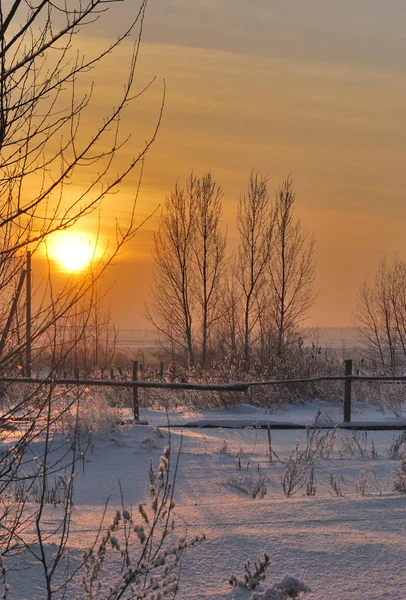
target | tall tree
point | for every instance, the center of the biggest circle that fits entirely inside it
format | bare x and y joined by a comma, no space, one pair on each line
229,328
291,268
58,161
48,143
209,245
255,226
380,316
189,265
172,307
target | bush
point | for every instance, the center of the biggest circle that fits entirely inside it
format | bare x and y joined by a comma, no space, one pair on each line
255,574
295,475
399,483
289,587
250,485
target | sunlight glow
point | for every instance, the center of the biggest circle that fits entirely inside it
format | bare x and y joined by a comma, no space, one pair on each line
72,250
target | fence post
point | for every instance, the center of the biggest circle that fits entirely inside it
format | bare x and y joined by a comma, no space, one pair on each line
136,407
347,391
14,304
161,371
28,340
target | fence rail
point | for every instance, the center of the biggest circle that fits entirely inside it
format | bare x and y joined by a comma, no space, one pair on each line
236,386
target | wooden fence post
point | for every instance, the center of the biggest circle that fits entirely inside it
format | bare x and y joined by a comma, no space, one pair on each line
161,371
347,391
13,309
28,340
136,407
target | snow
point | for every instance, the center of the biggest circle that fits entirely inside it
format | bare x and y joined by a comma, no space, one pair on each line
244,415
350,547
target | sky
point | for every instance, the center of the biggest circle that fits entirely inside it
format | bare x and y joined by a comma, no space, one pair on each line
314,89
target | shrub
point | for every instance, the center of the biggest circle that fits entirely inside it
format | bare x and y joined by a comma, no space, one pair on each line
356,446
399,483
255,574
250,485
335,485
289,587
368,480
294,477
398,442
311,484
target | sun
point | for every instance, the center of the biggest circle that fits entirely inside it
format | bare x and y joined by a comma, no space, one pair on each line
72,250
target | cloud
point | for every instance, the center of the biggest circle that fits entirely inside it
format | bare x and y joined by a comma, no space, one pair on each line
361,33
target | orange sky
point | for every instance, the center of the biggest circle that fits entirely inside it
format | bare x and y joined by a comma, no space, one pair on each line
316,89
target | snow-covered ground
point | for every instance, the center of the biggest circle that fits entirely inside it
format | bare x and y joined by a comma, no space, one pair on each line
345,547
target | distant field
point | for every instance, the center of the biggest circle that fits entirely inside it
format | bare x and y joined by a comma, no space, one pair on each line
331,337
339,337
137,338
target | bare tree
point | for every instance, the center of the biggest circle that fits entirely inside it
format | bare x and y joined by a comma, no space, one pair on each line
229,327
46,144
255,225
380,316
43,141
172,307
209,246
291,268
189,266
398,302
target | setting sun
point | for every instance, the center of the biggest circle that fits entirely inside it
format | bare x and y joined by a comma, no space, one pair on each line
72,250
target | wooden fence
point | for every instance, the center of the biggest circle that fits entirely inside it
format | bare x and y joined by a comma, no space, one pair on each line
239,386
